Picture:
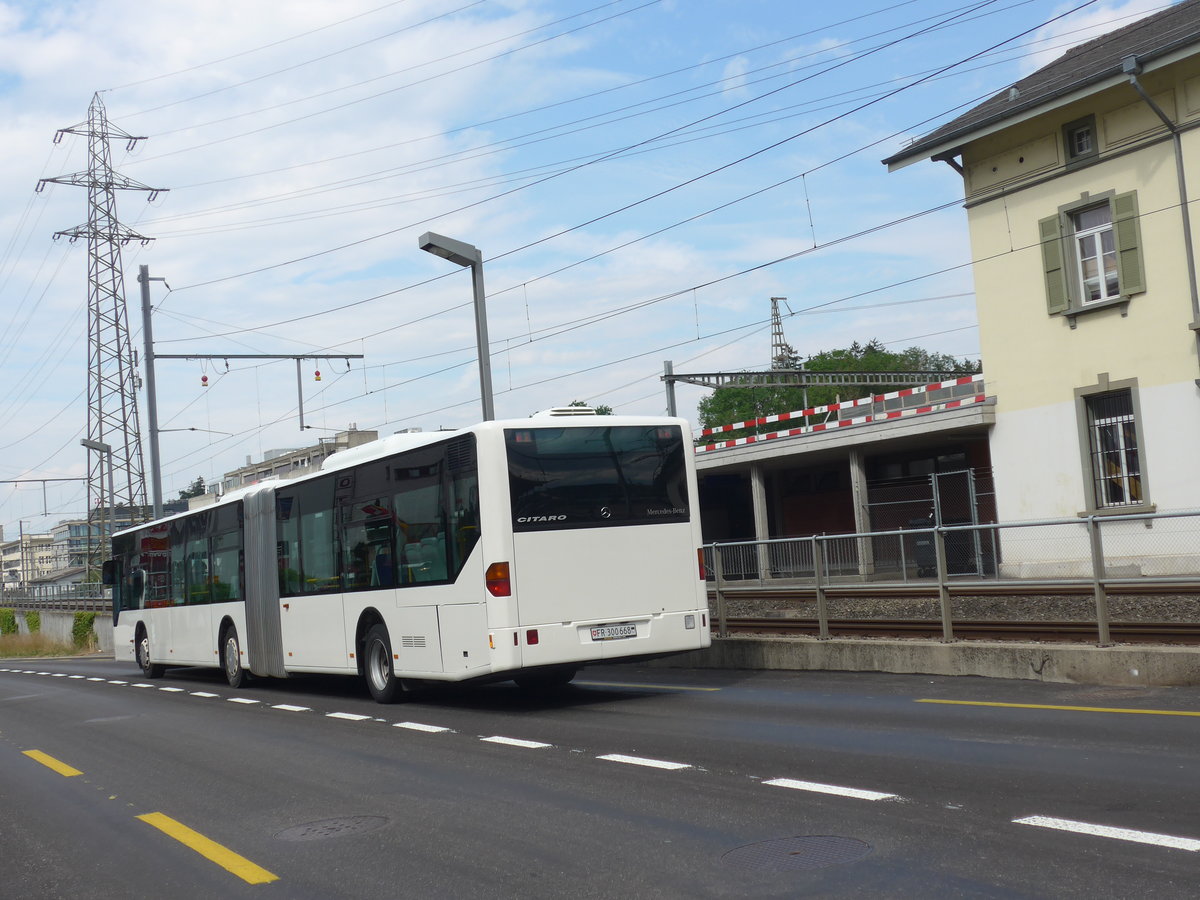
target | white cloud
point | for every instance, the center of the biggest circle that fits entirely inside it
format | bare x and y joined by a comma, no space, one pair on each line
416,131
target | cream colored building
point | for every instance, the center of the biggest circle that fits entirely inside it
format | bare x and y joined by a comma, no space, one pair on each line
1076,182
28,558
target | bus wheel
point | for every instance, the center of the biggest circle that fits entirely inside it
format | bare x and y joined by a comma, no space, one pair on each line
149,669
546,680
381,677
231,659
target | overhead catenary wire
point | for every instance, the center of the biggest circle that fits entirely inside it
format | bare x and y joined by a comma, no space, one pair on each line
722,112
349,103
257,49
458,155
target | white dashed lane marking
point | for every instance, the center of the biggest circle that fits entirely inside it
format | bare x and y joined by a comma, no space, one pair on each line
417,726
1069,825
643,761
515,742
816,788
1120,834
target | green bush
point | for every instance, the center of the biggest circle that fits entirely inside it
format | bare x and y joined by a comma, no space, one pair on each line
8,621
33,621
81,630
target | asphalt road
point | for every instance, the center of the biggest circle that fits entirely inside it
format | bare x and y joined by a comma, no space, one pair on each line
634,782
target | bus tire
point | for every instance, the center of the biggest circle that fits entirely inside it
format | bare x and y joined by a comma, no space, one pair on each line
231,659
149,669
378,670
546,680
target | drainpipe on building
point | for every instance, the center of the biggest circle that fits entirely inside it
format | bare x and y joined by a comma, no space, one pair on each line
1131,67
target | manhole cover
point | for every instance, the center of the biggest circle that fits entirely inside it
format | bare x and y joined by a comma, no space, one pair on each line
331,828
801,852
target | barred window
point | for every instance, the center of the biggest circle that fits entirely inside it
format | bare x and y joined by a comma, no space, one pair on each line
1112,433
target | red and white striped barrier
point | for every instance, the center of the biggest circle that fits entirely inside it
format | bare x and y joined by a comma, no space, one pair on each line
842,423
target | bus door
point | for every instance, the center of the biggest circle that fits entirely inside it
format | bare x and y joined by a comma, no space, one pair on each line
191,639
311,605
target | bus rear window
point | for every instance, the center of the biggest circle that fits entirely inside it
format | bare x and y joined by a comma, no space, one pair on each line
595,477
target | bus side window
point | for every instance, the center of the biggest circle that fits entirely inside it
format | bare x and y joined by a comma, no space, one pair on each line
226,575
464,518
178,565
136,590
287,547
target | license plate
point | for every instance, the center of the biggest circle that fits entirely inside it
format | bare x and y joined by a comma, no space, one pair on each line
614,632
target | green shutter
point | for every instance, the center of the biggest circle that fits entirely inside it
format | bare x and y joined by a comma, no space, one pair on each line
1127,232
1057,298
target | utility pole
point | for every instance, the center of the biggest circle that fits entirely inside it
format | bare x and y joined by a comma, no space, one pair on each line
112,381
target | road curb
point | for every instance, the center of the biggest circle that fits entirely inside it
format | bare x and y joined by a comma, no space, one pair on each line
1148,665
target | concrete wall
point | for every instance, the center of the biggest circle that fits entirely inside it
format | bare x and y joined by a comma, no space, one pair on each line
1063,663
58,626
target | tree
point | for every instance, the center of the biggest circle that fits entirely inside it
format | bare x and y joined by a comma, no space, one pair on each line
602,409
727,405
195,489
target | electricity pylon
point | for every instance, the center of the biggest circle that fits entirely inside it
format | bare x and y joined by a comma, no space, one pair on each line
112,379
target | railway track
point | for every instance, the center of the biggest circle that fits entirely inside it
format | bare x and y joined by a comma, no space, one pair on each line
1184,633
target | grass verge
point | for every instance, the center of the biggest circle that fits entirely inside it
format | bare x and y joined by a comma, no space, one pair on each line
22,645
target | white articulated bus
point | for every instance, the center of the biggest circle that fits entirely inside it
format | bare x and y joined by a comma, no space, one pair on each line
519,549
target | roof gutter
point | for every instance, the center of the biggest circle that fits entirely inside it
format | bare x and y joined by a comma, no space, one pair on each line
1131,67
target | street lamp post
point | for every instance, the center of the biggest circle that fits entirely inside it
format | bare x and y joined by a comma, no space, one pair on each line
465,255
108,514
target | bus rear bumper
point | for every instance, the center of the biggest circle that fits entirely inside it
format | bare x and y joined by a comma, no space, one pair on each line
610,640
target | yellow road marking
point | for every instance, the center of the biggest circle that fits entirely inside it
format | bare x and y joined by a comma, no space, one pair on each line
51,763
1099,709
209,849
661,687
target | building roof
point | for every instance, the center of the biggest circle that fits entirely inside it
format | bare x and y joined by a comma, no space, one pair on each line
1080,67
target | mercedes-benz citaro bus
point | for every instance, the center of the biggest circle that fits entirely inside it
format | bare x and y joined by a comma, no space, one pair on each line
518,549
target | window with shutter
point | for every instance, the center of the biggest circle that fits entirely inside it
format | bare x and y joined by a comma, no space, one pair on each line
1092,254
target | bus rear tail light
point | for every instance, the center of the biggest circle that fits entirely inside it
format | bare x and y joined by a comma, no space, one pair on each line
700,557
531,636
498,581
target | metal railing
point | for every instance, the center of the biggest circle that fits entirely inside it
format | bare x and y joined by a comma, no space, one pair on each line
1093,556
62,597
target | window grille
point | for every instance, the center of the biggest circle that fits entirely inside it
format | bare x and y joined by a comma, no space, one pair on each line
1116,467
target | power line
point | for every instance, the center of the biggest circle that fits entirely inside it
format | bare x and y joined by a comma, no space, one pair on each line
641,143
251,50
421,81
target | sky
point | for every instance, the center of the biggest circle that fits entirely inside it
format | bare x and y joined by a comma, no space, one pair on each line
641,177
